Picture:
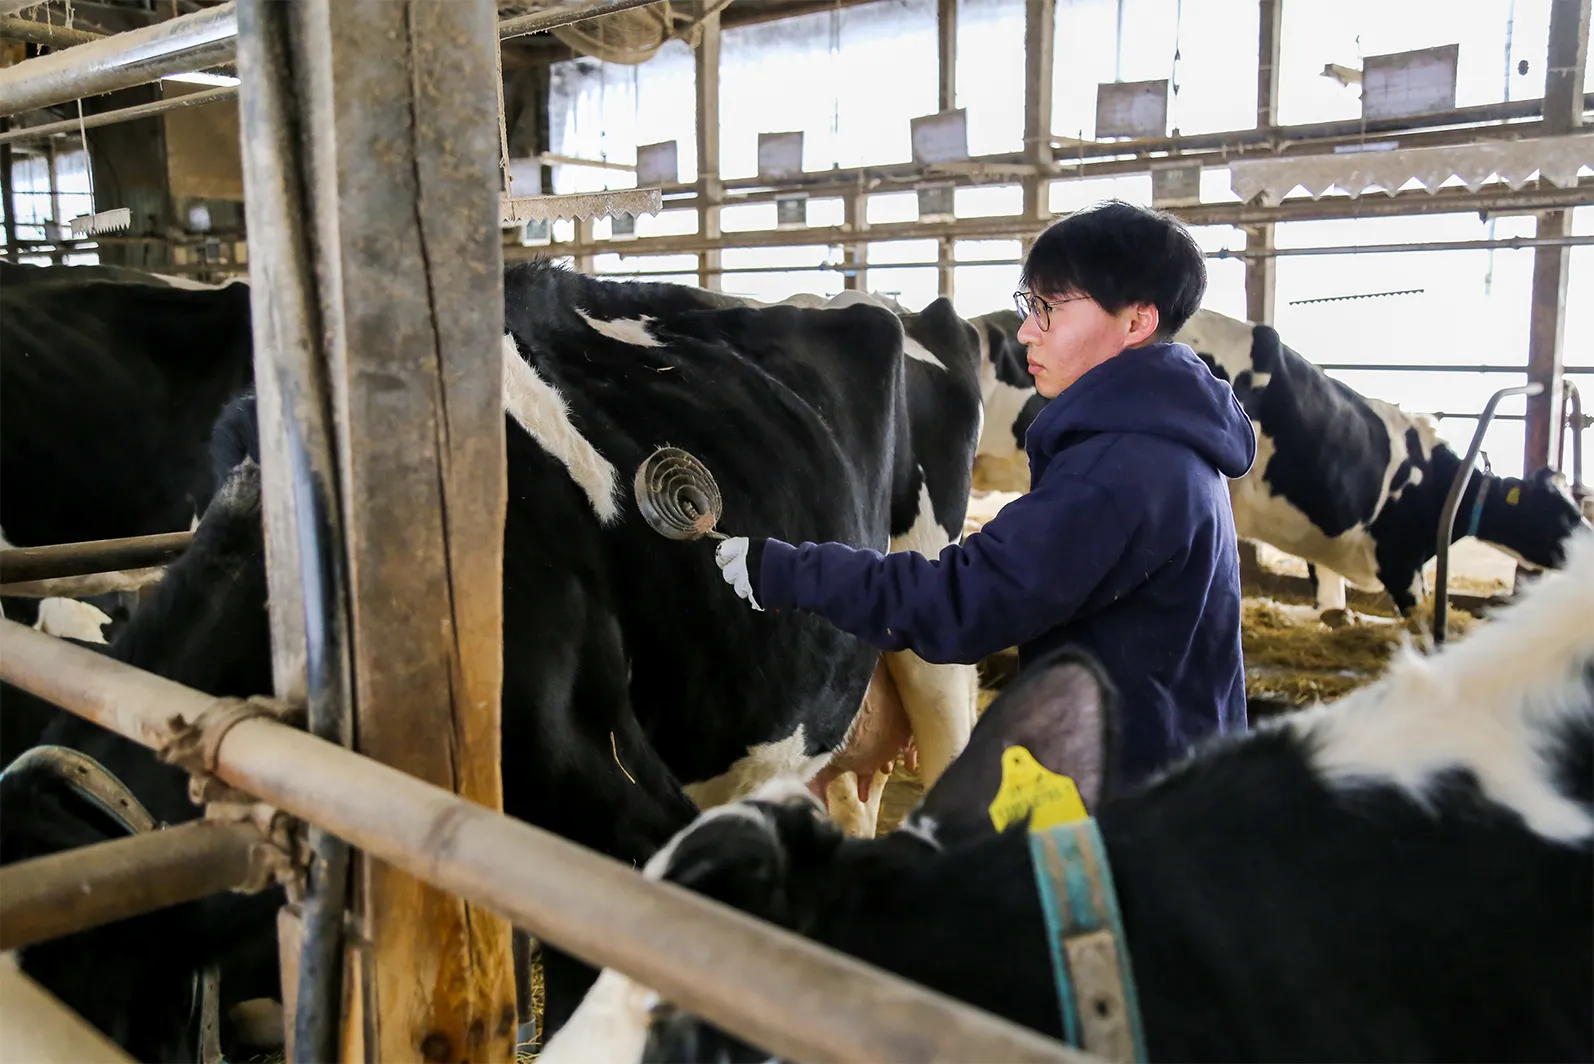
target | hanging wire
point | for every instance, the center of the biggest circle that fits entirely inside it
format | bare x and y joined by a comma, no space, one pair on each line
1173,74
1510,27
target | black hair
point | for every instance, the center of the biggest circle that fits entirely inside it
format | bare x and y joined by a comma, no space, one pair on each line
1119,255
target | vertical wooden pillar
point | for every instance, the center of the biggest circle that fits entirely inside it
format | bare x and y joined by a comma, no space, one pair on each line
855,216
1563,110
8,199
378,316
1040,26
1261,275
946,29
710,190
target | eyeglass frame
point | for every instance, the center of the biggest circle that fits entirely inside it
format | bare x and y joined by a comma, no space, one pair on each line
1027,304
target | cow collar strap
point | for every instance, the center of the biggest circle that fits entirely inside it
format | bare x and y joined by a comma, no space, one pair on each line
1090,956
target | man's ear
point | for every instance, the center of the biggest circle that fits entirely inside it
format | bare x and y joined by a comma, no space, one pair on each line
1144,321
1063,710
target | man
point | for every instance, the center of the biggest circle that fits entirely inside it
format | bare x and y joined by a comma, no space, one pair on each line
1124,544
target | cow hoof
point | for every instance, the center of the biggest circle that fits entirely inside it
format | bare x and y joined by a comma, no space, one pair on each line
1336,618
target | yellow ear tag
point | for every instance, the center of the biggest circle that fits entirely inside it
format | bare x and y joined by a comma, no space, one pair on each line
1513,496
1030,787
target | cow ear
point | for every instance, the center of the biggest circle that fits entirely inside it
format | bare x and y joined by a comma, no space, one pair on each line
1062,710
736,858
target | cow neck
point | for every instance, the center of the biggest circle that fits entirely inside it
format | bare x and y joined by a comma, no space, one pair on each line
1085,938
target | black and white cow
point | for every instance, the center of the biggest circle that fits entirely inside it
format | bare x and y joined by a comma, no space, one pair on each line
1407,874
1352,484
631,678
110,380
1356,485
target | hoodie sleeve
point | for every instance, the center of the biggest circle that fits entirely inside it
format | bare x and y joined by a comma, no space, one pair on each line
1030,568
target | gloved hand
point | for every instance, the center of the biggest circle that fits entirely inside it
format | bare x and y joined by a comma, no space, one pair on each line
731,557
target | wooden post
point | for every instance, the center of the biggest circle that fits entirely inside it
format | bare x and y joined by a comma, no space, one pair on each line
710,189
378,340
1040,24
1261,275
946,27
855,218
1563,108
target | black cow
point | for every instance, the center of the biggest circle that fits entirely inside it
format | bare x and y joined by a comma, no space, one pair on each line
1351,484
110,380
1407,874
629,673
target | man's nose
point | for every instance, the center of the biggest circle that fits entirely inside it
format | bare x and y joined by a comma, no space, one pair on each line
1029,332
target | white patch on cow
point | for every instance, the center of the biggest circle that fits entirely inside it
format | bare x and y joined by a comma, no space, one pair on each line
1493,704
784,758
1261,515
1330,590
538,408
1003,405
913,349
922,828
1225,340
626,330
610,1024
941,700
71,619
853,815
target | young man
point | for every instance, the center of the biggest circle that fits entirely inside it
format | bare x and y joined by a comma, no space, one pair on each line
1124,544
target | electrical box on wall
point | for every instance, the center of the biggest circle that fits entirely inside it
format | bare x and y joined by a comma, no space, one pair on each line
791,212
658,164
1403,84
1178,185
780,155
936,203
940,138
1134,109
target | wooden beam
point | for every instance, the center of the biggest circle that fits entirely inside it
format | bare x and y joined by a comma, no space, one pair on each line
710,190
396,323
39,1027
946,32
855,253
1040,24
1261,274
1563,112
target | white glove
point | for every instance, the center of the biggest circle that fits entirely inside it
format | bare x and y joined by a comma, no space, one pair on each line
731,556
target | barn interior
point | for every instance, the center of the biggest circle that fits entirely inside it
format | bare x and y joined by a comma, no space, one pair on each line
1404,192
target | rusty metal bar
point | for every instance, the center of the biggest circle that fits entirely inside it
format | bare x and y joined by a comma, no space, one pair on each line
25,29
38,1027
1458,486
539,21
18,564
764,984
64,893
1572,423
176,46
121,114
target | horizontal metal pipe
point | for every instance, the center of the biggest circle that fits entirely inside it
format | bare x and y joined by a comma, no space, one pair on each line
18,564
177,46
51,36
1421,367
538,21
86,585
122,114
38,1027
64,893
764,984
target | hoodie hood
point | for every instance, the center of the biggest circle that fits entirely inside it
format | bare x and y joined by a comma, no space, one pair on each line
1158,390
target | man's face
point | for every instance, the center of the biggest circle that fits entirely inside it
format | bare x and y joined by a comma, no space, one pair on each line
1079,337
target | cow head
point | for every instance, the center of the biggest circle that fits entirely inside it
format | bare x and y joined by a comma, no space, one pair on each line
776,856
1011,403
1530,518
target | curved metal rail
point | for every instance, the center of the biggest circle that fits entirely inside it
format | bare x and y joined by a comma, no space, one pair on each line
1458,485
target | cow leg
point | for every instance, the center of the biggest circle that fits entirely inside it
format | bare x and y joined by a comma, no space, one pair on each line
1328,588
858,817
941,702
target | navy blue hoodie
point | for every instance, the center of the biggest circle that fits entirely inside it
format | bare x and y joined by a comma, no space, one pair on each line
1124,545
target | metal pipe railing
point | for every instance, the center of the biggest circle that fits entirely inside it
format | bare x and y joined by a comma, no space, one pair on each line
68,892
1573,422
121,114
38,1026
764,984
188,43
51,36
1458,485
177,46
25,564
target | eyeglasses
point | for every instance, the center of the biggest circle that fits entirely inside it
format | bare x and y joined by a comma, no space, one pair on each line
1027,304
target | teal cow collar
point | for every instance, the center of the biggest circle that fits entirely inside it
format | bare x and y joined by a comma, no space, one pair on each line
1090,957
